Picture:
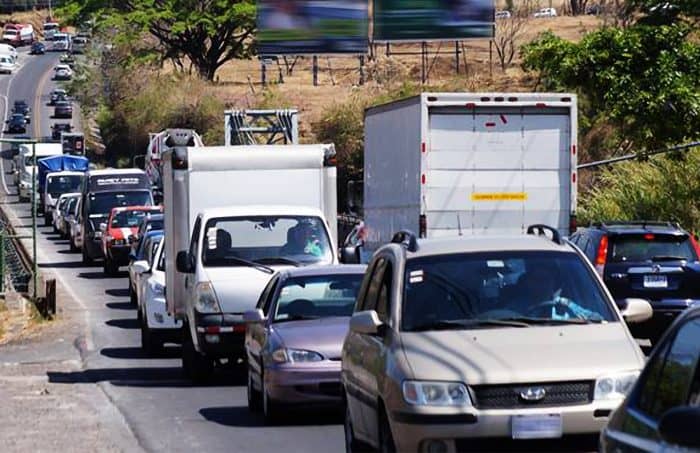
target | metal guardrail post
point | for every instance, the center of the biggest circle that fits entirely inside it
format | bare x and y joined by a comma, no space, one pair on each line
34,265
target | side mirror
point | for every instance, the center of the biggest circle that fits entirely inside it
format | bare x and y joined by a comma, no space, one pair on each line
184,263
679,427
103,227
350,254
365,322
635,310
141,267
254,316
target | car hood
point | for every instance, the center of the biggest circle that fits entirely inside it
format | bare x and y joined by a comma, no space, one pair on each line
237,288
513,355
325,335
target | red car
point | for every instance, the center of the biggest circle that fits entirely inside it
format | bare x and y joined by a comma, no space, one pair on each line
122,225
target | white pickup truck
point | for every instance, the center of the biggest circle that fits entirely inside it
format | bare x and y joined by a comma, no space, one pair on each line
233,215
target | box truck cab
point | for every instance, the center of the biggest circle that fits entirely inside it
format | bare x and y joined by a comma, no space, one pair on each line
102,191
58,175
263,191
450,164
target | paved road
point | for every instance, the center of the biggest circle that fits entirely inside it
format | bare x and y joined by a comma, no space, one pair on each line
164,412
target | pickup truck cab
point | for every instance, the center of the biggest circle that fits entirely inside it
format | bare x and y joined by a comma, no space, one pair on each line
233,253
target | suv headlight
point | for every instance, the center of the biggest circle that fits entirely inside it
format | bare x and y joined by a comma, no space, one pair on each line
205,298
429,393
615,386
283,355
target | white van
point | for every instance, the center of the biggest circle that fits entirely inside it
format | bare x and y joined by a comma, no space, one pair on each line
25,167
6,49
50,29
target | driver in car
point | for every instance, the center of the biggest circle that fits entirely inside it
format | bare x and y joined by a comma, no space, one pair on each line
302,239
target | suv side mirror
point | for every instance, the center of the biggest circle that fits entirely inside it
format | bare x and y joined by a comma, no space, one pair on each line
679,426
254,316
636,310
141,267
365,322
184,263
350,254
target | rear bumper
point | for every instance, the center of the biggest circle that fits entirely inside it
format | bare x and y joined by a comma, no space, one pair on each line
220,335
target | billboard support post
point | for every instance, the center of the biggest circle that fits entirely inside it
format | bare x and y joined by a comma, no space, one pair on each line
314,69
424,62
362,70
491,59
456,57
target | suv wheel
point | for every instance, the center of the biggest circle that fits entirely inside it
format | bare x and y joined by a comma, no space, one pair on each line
386,440
254,396
352,445
110,267
195,366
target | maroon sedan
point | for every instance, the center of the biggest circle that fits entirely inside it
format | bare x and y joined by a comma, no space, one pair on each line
295,335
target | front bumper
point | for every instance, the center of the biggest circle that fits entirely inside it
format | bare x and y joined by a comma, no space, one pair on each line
413,430
220,335
317,383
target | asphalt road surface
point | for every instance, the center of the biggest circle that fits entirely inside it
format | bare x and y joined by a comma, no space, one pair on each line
163,411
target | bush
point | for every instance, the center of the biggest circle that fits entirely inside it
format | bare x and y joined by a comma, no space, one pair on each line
664,188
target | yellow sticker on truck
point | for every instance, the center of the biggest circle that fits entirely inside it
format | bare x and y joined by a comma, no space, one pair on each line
499,196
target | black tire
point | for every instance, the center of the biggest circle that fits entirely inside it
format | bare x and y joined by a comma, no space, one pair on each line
86,259
110,268
47,220
149,339
254,395
132,295
196,367
73,248
386,440
352,445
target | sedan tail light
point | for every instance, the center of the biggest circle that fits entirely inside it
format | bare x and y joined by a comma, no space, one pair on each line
602,255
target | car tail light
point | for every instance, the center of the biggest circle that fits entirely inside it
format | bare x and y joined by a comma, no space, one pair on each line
649,237
573,225
422,226
602,255
696,246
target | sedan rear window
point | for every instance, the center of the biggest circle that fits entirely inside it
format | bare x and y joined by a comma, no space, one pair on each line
517,289
317,297
651,247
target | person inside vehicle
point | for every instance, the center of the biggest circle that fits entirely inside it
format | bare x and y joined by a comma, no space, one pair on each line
302,239
222,246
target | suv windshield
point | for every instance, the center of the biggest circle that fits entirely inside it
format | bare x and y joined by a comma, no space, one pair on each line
265,240
317,297
63,184
101,203
650,247
528,287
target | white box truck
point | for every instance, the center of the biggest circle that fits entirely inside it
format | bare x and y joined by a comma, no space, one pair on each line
230,214
448,164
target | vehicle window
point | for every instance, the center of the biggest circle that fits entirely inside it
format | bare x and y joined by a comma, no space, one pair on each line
127,219
265,239
530,286
675,376
101,203
635,248
195,236
63,184
317,297
264,300
375,285
161,261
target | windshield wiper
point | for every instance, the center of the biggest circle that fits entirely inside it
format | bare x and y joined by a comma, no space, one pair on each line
550,321
253,264
278,260
669,258
467,324
297,317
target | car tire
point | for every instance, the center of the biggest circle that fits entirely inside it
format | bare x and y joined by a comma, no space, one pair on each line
73,248
110,268
386,440
254,396
47,221
149,339
352,445
86,258
269,406
132,295
196,367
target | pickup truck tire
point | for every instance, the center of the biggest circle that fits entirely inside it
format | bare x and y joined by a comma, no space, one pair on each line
110,267
47,220
195,366
254,395
149,339
86,259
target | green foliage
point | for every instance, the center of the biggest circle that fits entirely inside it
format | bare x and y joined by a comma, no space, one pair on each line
207,33
644,79
664,188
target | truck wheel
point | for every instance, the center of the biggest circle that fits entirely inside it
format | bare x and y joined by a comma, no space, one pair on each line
86,259
47,220
110,267
254,396
149,340
195,366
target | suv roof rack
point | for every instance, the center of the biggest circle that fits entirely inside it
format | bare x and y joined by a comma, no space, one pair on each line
638,223
540,230
407,239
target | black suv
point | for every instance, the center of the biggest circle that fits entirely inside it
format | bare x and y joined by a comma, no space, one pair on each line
656,261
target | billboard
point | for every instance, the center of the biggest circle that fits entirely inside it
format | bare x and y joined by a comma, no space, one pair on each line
426,20
312,27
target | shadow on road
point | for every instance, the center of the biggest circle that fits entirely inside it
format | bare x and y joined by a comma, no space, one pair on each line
65,265
117,292
169,352
101,275
126,323
139,377
240,416
120,306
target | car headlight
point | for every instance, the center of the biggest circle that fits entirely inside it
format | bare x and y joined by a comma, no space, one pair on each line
205,299
614,386
429,393
283,355
98,234
157,289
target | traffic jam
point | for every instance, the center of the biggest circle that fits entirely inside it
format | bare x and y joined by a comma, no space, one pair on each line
464,310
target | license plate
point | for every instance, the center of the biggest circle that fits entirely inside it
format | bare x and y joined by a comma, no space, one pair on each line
536,426
655,281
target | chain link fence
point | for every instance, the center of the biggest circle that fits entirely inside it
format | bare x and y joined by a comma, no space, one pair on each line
15,270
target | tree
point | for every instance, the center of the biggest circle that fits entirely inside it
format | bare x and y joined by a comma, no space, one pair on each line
207,32
508,32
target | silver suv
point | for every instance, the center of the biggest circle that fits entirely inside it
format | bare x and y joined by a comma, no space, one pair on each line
456,343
